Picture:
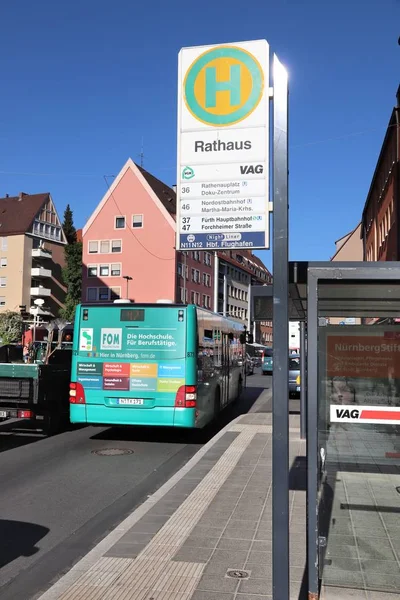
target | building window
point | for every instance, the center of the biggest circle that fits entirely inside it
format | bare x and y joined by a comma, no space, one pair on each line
196,255
105,247
116,246
195,275
104,270
137,221
183,295
115,293
3,262
180,269
92,271
207,259
116,270
93,247
119,222
3,281
104,293
2,300
193,297
91,294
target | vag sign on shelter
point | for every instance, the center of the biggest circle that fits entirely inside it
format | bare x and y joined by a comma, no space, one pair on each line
111,339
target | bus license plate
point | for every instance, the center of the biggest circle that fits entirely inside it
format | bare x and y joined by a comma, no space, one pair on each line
3,414
134,401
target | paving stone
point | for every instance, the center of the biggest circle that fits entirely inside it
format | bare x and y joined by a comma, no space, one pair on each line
256,586
233,544
211,596
193,555
217,584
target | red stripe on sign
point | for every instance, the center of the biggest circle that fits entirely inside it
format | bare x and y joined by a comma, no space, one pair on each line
384,415
392,454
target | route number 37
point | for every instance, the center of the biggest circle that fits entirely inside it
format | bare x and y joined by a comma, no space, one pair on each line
185,223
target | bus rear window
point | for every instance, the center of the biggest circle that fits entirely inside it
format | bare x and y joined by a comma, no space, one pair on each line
132,314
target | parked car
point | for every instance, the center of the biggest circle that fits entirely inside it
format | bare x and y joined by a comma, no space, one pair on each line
294,375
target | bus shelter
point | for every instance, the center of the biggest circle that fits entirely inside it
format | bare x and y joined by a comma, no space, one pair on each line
351,313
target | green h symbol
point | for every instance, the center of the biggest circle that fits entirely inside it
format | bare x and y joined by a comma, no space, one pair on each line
213,86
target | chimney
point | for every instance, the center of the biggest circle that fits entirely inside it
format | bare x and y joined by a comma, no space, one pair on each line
21,195
174,186
7,195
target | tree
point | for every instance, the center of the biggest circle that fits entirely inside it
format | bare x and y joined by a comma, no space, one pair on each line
72,272
11,327
68,225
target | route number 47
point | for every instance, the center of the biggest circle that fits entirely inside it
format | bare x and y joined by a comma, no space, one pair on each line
185,223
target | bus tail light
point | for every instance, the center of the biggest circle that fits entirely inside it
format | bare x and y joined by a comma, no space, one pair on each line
186,397
76,393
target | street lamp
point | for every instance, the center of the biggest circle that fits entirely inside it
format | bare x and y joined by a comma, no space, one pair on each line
39,303
128,279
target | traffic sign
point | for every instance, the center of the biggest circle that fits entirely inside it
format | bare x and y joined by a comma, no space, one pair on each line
223,116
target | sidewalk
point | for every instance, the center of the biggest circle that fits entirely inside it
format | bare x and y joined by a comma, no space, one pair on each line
206,534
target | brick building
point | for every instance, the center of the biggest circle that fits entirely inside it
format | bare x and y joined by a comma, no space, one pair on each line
380,231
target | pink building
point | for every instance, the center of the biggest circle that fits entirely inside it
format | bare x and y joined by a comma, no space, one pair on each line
132,234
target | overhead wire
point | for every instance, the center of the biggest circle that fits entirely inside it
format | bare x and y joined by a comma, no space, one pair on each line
130,230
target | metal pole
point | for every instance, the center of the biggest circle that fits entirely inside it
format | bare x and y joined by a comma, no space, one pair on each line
280,382
303,381
312,436
249,307
225,291
216,282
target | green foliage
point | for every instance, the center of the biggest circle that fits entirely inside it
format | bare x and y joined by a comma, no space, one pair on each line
68,225
72,272
11,327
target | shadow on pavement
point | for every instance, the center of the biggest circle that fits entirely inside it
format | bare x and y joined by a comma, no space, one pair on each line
19,539
21,433
15,434
183,436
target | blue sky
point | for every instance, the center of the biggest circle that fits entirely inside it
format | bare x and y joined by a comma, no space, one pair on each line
83,82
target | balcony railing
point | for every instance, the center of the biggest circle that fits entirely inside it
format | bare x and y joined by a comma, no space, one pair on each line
40,291
41,253
40,272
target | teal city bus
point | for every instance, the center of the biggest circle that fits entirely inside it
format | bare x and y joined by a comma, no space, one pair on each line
154,364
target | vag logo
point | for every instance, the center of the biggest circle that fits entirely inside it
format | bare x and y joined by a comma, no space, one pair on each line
223,86
251,169
111,339
345,413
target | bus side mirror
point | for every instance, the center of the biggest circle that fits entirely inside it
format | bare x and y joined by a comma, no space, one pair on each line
230,337
242,338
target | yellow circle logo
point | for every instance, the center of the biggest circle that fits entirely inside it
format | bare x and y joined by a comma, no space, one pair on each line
223,86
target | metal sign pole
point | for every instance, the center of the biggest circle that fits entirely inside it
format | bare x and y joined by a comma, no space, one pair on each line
303,381
280,385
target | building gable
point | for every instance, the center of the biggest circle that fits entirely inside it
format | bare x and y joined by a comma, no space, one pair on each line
150,184
47,224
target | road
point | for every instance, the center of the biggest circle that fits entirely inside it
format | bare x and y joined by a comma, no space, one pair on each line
59,498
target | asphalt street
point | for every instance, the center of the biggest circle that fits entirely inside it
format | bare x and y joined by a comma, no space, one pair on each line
59,496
